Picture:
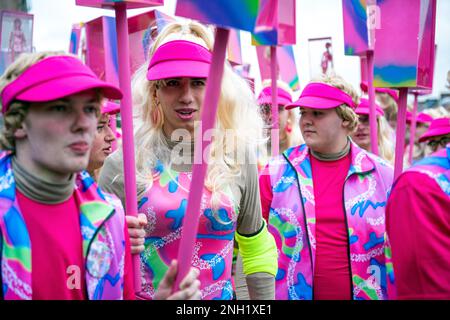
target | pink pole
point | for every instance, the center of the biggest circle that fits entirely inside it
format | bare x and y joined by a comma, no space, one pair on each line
209,111
413,128
400,136
275,132
127,125
372,109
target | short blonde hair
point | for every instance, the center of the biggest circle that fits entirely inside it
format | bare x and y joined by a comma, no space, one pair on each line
17,111
345,112
388,104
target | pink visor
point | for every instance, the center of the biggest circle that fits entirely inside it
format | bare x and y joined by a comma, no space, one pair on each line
111,108
393,93
421,117
322,96
54,78
364,108
179,58
438,127
265,97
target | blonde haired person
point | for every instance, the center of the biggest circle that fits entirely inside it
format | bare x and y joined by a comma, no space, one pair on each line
168,97
289,134
325,203
362,134
52,214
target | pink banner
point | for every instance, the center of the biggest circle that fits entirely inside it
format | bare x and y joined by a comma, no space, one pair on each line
277,23
286,65
405,44
110,4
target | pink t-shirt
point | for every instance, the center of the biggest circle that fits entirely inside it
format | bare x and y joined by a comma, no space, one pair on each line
418,226
332,271
56,255
332,279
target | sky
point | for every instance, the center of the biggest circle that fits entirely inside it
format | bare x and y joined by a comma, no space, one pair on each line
53,21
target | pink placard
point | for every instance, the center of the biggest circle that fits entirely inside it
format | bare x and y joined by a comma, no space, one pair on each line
16,36
234,47
142,29
101,49
277,27
75,37
286,65
110,4
360,18
238,14
404,46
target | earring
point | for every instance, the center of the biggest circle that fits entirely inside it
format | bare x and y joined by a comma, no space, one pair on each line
155,113
288,127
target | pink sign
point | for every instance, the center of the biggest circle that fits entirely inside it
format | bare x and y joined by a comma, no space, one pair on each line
234,47
101,49
142,29
109,4
239,14
276,23
404,46
75,37
286,65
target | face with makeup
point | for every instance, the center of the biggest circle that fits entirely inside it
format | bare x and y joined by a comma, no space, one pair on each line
362,134
56,136
102,145
181,100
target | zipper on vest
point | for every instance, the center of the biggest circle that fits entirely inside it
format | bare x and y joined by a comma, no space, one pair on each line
306,226
348,241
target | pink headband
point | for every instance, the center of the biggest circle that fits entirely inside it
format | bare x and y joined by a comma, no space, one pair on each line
322,96
265,97
393,93
364,108
54,78
438,127
420,118
179,58
110,108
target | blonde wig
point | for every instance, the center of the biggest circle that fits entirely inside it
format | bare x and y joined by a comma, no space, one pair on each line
238,123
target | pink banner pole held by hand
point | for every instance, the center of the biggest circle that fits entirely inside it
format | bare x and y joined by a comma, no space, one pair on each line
275,132
400,136
209,111
127,126
412,132
372,110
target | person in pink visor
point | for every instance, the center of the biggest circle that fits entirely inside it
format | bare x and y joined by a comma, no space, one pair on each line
105,136
168,92
438,134
362,134
61,237
388,99
423,121
289,134
325,204
418,225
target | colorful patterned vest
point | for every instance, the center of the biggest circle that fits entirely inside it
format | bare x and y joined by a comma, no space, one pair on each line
165,205
102,229
292,222
437,167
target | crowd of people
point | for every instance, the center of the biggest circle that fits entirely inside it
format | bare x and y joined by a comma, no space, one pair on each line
323,220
